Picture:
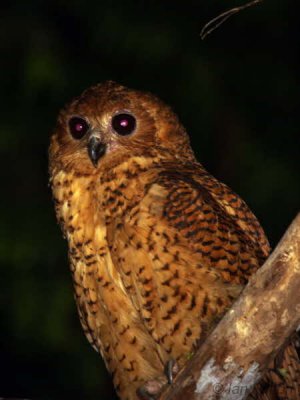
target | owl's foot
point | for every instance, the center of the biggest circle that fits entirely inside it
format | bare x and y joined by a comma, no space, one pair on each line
153,388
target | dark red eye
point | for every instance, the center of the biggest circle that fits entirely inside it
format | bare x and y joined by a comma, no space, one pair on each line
124,124
78,127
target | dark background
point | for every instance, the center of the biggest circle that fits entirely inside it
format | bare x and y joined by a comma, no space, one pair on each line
236,92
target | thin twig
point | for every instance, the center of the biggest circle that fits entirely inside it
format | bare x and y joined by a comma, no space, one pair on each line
216,22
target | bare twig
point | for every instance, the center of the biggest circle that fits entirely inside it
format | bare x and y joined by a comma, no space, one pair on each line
239,350
216,22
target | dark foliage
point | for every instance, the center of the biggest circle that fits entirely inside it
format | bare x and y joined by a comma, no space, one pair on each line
236,92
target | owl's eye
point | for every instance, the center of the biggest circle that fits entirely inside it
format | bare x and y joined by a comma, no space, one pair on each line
123,123
78,127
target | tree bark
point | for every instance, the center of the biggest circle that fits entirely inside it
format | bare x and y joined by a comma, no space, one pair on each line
236,354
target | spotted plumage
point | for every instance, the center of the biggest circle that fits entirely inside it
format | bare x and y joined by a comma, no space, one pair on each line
158,248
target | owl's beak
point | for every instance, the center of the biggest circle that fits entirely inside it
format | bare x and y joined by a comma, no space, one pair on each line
96,149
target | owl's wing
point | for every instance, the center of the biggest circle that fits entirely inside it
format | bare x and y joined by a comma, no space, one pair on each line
240,214
184,252
183,259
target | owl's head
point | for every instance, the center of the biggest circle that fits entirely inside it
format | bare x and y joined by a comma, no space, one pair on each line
109,122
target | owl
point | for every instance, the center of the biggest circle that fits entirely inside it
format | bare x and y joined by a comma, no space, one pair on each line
159,249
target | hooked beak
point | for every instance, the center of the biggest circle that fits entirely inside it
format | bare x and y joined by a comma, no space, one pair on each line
96,149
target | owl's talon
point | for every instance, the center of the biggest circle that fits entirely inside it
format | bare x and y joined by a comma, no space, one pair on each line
171,370
153,388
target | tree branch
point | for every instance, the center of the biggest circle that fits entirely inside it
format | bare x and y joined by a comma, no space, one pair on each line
251,333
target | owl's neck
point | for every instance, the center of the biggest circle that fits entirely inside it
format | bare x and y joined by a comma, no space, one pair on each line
98,197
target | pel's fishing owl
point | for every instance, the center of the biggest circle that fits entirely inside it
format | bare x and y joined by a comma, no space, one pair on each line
159,249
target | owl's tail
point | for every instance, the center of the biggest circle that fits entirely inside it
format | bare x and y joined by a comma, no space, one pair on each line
282,381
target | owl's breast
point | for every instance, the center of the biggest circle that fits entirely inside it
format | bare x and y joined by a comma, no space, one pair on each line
109,318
